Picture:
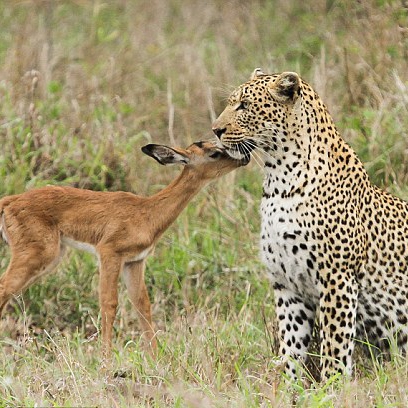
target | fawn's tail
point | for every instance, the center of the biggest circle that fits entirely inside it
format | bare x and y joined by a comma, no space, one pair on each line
3,230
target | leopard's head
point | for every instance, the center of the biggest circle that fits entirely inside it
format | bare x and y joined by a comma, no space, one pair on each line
260,114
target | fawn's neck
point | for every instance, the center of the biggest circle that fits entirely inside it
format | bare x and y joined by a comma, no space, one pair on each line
168,203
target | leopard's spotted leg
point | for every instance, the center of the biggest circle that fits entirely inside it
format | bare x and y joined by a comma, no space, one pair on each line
338,310
295,323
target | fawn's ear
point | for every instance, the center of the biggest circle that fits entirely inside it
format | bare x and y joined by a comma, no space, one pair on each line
165,154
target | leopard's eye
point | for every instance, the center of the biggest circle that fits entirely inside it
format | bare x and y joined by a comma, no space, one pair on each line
243,105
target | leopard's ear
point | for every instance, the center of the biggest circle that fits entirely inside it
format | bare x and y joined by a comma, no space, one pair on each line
256,73
285,89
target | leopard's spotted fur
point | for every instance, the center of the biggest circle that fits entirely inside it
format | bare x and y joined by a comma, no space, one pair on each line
334,244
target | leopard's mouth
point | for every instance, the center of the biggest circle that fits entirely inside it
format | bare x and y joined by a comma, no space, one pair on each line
240,150
245,159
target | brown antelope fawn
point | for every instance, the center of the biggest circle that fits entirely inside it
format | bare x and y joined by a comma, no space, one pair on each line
120,228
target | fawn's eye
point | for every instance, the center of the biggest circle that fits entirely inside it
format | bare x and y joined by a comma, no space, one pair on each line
215,155
243,105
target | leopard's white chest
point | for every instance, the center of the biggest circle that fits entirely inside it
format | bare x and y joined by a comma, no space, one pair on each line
287,249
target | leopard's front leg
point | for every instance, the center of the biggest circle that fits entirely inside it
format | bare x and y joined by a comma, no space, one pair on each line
337,317
295,323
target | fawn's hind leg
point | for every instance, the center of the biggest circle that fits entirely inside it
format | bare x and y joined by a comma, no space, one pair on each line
28,262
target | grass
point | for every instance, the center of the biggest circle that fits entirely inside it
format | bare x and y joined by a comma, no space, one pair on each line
83,86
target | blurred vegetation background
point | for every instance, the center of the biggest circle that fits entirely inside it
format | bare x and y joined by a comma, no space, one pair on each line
84,84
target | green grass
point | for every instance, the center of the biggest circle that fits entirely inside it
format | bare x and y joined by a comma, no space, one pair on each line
84,85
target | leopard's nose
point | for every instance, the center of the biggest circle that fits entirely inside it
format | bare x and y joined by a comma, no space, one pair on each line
219,131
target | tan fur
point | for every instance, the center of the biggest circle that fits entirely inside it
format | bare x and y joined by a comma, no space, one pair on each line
119,227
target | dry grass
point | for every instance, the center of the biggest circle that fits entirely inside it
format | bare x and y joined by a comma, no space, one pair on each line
84,84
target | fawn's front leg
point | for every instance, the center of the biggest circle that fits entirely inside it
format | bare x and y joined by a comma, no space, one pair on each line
134,279
110,267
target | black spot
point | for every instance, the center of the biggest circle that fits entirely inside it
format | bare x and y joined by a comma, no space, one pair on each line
278,286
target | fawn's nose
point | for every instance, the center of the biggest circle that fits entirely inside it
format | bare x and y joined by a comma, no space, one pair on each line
219,131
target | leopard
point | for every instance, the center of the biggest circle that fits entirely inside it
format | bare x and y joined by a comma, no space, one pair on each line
334,245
